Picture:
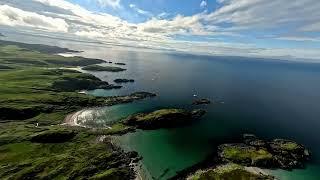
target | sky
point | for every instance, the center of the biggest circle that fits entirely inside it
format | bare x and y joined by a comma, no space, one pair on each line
265,28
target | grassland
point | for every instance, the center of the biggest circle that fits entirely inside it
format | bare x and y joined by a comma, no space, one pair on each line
18,54
35,97
240,154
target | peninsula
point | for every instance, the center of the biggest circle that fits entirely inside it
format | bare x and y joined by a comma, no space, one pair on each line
163,118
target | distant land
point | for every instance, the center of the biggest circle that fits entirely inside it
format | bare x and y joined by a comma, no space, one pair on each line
38,47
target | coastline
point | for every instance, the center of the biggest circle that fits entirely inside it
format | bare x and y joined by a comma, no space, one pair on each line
139,168
258,171
72,118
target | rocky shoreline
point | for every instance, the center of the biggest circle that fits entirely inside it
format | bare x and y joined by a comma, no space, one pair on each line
72,119
123,80
201,101
252,153
103,68
163,118
277,153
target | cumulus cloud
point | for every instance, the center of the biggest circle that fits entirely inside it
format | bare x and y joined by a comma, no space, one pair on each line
179,25
11,16
140,11
244,14
115,4
203,4
163,15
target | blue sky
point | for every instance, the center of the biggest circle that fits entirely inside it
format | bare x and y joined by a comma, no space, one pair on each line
278,28
156,7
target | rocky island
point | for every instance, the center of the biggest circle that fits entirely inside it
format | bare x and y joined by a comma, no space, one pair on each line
123,80
278,153
243,160
103,68
112,100
201,101
121,64
163,118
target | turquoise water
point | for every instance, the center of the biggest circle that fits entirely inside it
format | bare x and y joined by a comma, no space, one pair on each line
311,172
267,97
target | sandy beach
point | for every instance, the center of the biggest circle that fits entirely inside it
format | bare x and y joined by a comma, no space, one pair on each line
72,119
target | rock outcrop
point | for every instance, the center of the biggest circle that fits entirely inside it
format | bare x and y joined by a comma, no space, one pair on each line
278,153
201,101
112,100
123,80
103,68
122,64
163,118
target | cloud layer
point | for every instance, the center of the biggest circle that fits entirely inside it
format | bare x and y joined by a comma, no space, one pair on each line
277,20
112,3
11,16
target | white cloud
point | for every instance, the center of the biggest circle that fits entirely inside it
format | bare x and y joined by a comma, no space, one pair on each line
89,34
240,14
162,15
82,18
261,14
299,38
140,11
11,16
183,25
115,4
203,4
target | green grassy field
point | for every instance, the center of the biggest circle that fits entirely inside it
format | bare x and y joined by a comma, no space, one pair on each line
33,90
